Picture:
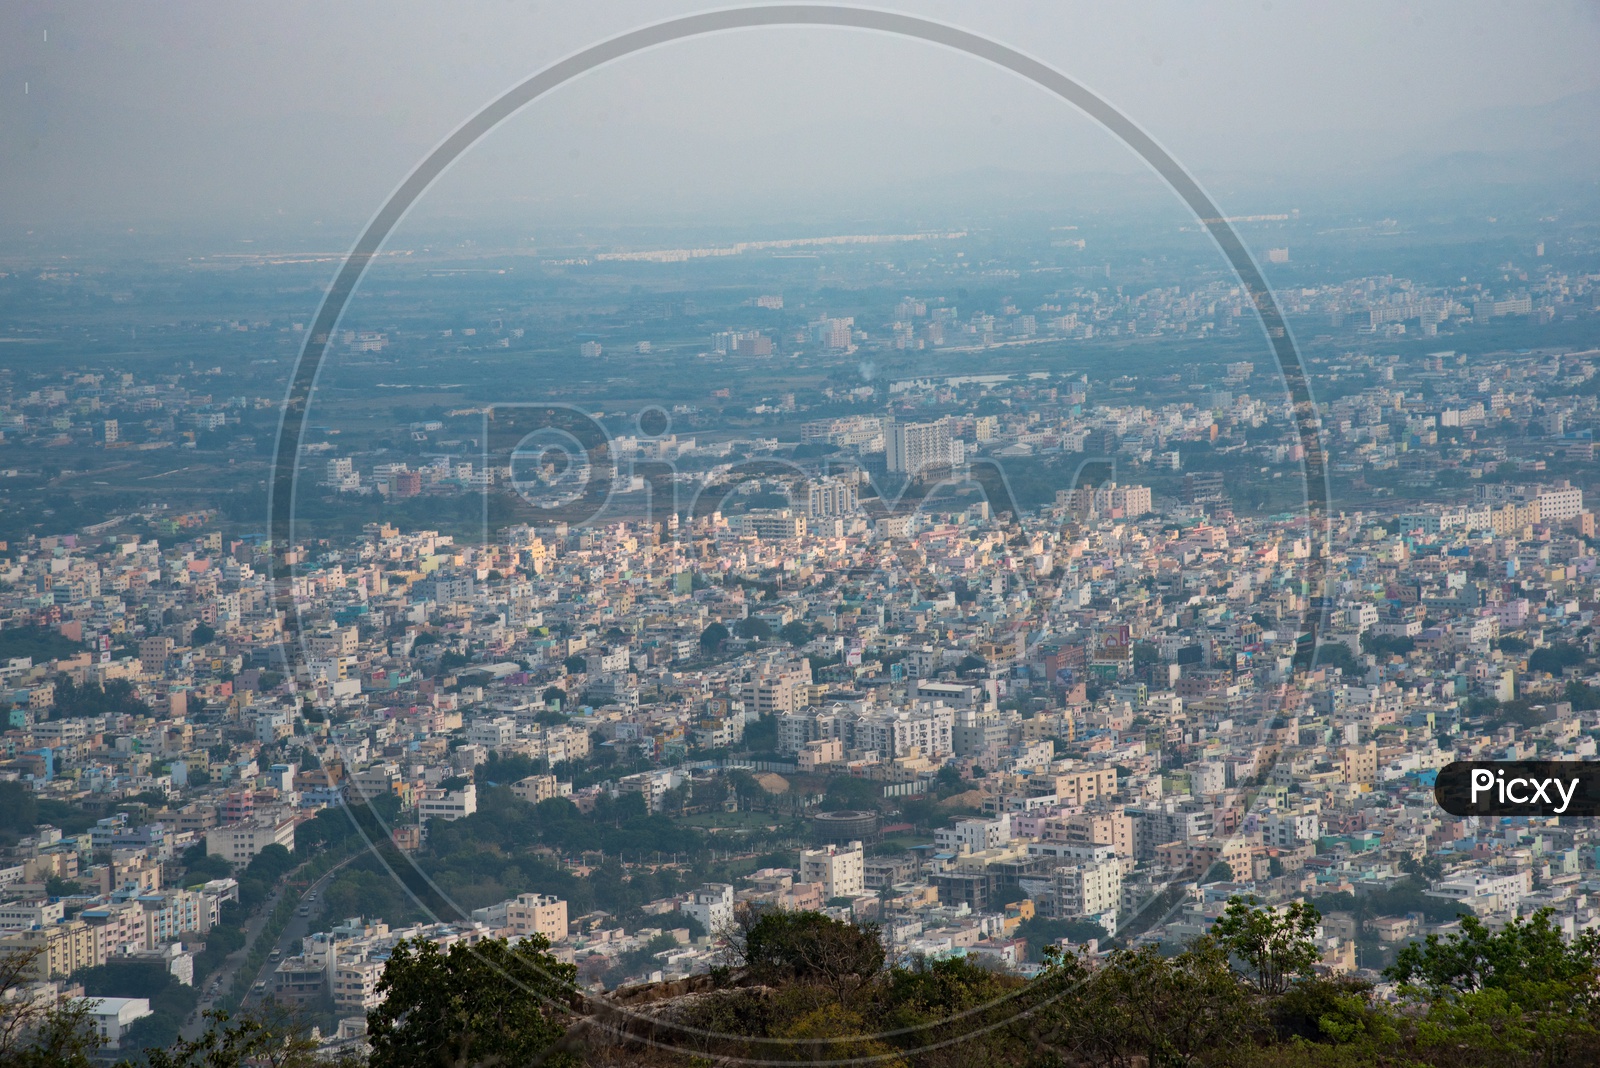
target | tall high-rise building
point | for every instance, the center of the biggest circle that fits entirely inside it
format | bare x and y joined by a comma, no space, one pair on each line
833,333
831,497
916,447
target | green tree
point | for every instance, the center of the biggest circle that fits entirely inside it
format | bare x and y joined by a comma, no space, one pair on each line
847,792
1518,955
41,1032
1336,1011
1522,994
809,948
1384,645
674,800
39,643
1583,696
1426,868
202,866
832,1035
744,786
1276,944
170,1000
1041,934
753,629
270,1039
1553,658
18,809
489,1003
919,810
713,638
1142,1006
795,632
73,701
949,781
1336,655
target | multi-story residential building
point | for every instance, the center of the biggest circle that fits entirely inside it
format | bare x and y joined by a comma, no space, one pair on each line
442,804
355,985
913,448
238,843
541,914
839,869
537,788
63,948
926,729
1088,890
711,906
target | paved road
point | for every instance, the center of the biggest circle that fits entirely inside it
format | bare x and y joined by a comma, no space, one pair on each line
219,981
297,927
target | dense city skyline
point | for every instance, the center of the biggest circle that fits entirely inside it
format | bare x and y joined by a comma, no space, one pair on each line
799,543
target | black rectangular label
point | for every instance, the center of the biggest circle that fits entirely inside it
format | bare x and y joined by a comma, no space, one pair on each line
1519,788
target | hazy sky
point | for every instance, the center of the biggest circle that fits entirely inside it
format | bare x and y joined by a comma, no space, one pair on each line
226,116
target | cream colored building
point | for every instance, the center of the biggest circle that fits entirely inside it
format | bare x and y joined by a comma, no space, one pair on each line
536,788
238,843
543,914
840,870
64,947
355,985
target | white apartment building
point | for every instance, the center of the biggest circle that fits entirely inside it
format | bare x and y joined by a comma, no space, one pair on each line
1289,829
797,729
557,744
1485,891
1128,502
1208,777
776,691
915,447
840,870
974,836
1560,503
113,1016
777,524
238,843
448,804
832,497
16,916
355,985
927,728
711,905
651,785
1090,890
497,733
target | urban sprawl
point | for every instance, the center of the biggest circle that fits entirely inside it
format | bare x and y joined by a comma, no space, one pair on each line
1087,713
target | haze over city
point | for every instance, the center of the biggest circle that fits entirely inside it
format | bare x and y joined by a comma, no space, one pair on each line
239,118
799,546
